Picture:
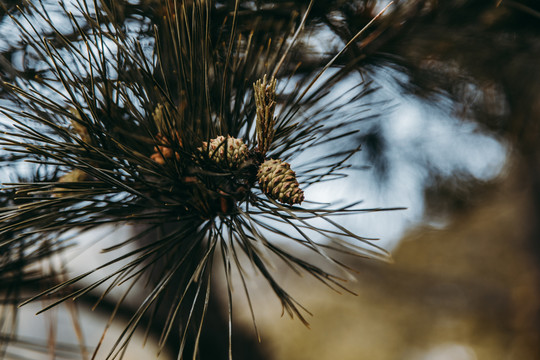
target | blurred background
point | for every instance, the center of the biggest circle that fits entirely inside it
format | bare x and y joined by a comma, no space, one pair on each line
455,142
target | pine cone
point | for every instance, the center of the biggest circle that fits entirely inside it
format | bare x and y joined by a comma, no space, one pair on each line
279,182
225,151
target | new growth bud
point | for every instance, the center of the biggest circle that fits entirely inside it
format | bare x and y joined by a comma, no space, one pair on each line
265,100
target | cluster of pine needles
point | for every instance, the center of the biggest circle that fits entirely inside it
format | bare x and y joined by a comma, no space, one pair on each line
195,122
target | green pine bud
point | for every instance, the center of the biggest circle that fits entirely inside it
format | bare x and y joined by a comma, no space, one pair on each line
265,100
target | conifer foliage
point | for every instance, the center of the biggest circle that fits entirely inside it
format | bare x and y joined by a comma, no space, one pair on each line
186,118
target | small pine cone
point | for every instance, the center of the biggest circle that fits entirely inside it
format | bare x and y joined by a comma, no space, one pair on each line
279,182
225,151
